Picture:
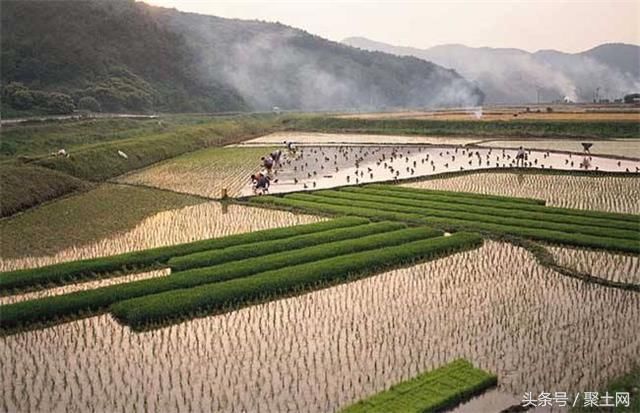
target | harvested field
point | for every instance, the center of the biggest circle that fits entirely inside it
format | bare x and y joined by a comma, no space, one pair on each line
202,221
325,350
611,194
204,172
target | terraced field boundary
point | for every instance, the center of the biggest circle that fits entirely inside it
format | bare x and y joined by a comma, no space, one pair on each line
242,261
455,212
432,391
73,271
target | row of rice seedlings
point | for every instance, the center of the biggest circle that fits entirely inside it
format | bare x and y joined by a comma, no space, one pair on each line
612,194
433,390
325,350
83,286
206,173
613,267
193,223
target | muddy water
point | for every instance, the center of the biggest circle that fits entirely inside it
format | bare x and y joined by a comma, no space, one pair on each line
614,267
320,351
177,226
84,286
612,194
317,167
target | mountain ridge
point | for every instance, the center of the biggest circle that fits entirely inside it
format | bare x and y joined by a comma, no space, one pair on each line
510,75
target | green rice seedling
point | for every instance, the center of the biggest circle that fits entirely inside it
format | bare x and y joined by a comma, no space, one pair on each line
47,310
431,391
69,271
215,297
240,252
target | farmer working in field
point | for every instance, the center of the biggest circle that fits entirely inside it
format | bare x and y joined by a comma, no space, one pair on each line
521,156
267,162
261,184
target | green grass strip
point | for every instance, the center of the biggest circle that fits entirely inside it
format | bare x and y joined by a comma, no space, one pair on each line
312,207
450,224
90,268
386,205
485,200
176,304
49,309
434,390
542,215
468,196
240,252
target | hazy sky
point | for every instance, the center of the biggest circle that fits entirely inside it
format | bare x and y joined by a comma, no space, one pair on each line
565,25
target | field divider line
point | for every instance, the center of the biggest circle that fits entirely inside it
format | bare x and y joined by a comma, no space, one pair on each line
546,259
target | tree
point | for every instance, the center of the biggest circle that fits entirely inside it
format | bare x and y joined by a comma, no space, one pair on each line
89,103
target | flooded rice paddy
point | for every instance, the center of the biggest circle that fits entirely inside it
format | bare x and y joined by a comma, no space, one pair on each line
628,148
320,351
612,194
192,223
602,264
320,167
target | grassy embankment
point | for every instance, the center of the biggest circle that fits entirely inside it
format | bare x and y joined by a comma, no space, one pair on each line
432,391
93,148
515,128
247,272
83,218
615,232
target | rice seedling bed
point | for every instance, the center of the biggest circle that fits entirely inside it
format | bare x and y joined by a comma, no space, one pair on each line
433,390
327,349
174,226
599,193
48,310
70,271
82,286
562,228
147,310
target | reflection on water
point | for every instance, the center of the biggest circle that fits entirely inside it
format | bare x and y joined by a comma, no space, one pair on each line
317,352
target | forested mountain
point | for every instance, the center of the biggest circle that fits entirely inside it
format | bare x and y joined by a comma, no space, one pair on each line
517,76
122,55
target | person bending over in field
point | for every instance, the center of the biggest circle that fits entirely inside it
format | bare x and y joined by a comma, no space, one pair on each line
267,162
262,184
275,155
521,156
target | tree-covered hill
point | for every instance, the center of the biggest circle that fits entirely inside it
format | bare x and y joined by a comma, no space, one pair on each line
121,55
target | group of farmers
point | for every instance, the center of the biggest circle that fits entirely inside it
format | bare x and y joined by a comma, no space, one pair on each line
269,165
